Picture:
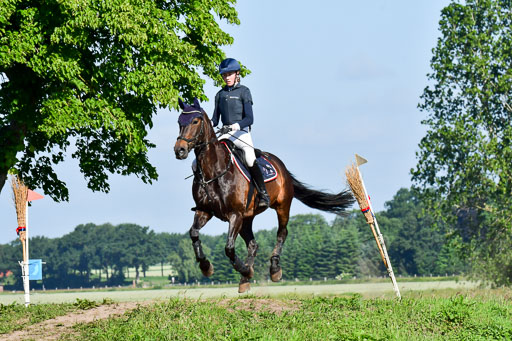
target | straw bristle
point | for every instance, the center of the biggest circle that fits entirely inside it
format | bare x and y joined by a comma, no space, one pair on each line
354,181
20,192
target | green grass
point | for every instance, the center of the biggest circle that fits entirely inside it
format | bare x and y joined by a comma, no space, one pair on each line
17,316
468,316
447,314
368,290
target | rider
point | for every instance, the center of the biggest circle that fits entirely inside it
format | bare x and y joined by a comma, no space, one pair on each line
233,105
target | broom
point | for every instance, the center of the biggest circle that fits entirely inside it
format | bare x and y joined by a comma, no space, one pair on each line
354,181
356,184
20,193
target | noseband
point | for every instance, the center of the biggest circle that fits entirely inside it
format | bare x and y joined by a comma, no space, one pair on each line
185,120
199,175
195,138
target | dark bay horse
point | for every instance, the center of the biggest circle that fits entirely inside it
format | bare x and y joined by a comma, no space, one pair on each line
219,189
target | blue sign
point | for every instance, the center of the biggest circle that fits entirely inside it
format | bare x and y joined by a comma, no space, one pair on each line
35,269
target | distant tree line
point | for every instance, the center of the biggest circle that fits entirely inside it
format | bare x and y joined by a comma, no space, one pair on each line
314,249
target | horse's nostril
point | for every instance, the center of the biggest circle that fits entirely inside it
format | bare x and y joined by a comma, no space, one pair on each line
181,152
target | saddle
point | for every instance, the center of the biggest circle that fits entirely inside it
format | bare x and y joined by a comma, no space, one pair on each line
237,155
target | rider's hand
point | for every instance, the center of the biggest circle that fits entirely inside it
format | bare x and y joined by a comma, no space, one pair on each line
225,130
235,127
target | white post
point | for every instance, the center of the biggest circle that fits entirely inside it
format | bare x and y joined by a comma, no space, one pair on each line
26,282
381,239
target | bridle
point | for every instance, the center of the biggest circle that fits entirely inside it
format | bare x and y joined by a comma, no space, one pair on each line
192,144
195,138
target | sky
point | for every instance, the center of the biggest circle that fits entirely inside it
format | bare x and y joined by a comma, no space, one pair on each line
329,79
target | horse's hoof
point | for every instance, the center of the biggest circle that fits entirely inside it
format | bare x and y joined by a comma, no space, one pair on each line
276,277
244,287
209,271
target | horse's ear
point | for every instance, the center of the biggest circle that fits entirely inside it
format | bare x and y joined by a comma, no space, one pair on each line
180,102
196,103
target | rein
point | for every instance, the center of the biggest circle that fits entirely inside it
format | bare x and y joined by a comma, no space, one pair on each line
199,174
204,182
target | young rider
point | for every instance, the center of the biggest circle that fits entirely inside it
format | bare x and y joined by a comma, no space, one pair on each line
233,106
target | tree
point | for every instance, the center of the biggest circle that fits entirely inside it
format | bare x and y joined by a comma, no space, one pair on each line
414,242
224,271
135,246
347,250
464,160
8,260
93,73
367,259
184,262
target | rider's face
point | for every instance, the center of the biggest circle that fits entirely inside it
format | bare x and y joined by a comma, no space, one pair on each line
229,78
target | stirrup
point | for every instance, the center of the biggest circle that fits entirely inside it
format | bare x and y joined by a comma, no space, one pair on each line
264,200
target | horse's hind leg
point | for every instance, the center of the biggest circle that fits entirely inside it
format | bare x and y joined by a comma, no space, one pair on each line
283,214
235,226
252,248
200,219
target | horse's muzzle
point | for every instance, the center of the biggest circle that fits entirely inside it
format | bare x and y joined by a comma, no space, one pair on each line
181,152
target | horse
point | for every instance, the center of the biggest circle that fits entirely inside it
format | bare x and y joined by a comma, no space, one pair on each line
219,189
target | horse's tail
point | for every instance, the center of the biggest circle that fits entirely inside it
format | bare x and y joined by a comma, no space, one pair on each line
333,203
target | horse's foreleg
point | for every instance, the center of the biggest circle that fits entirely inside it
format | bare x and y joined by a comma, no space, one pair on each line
252,249
200,219
275,269
235,225
250,241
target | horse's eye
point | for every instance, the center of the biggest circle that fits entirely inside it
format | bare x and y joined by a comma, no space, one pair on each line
195,122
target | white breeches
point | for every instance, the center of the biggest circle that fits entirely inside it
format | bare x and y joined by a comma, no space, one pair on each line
242,139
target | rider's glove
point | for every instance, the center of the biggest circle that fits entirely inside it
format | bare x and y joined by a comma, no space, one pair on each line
225,130
235,127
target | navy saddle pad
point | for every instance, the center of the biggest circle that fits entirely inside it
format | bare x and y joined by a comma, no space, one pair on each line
267,169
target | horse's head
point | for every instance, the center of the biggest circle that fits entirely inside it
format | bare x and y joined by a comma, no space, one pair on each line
193,129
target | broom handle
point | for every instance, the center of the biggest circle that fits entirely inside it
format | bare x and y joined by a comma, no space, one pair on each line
26,232
378,245
26,278
388,265
380,241
24,251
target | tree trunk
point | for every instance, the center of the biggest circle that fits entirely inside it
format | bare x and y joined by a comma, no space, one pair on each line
3,177
11,137
162,267
137,276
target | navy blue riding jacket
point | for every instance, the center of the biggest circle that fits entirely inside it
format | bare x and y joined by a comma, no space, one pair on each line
233,105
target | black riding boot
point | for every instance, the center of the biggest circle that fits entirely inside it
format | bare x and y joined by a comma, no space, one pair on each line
260,185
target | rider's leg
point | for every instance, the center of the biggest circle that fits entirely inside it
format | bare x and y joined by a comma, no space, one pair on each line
242,139
260,185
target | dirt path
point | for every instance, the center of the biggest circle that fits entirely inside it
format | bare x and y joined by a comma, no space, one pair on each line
55,328
63,325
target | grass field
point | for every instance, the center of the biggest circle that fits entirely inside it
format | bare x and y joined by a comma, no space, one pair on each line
318,318
444,310
368,290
